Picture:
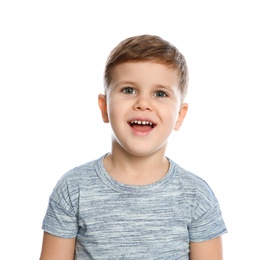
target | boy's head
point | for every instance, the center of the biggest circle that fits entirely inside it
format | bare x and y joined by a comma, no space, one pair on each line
148,48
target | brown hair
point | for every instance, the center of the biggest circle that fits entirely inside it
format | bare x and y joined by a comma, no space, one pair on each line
148,48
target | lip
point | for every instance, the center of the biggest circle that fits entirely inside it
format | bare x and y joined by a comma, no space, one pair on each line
144,128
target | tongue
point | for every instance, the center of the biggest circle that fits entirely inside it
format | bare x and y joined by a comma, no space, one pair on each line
142,127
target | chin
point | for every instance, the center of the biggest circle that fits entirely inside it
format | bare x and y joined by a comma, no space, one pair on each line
145,152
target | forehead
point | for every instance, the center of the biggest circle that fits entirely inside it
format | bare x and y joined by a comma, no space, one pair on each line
145,71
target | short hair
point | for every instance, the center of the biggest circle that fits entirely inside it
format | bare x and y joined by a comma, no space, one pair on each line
148,48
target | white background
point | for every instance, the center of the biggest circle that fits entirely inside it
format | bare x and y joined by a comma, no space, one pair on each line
52,56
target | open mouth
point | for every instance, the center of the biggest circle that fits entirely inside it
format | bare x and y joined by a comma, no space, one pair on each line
141,125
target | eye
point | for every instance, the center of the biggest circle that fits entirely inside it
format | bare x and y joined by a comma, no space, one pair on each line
161,93
129,90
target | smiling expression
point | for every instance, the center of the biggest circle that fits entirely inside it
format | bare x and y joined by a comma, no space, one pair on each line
143,107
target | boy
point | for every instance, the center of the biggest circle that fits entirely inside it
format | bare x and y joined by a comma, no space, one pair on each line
134,203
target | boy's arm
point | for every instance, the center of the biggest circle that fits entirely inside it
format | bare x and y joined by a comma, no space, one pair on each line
207,250
55,248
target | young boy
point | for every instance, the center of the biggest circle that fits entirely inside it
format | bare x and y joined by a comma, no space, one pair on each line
134,202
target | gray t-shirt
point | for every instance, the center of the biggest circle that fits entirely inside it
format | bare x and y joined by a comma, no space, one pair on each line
111,220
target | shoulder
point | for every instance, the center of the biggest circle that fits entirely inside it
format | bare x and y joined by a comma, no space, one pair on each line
195,185
206,216
72,182
81,173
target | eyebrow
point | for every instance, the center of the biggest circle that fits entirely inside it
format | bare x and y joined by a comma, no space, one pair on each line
125,83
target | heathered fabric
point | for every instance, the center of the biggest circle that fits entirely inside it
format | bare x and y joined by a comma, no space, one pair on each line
112,220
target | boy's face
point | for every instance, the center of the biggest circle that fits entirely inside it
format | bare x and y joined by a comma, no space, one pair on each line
143,106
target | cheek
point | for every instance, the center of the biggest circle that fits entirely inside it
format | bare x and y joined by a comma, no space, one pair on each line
110,106
171,113
118,105
174,119
116,112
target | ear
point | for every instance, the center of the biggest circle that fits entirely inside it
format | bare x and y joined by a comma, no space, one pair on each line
181,115
103,107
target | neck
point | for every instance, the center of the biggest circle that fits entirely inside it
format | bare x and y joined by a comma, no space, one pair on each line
136,170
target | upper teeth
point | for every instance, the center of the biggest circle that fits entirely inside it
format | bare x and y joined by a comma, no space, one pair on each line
141,122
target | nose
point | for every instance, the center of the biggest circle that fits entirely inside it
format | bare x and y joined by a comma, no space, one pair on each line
143,103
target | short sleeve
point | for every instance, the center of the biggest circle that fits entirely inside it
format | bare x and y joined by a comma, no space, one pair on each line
61,216
207,222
